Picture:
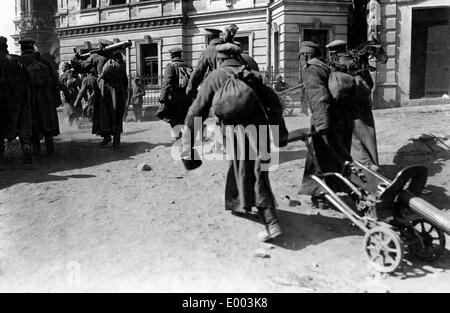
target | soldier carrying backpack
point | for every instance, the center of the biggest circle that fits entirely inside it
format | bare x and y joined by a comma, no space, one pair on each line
174,103
239,98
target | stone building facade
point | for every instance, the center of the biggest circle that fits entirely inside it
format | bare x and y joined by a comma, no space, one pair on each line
416,34
270,31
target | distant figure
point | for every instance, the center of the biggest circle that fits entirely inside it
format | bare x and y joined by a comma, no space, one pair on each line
45,97
89,90
137,94
15,110
70,84
173,99
280,84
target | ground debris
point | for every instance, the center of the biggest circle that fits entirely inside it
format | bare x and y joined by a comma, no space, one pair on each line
261,253
144,167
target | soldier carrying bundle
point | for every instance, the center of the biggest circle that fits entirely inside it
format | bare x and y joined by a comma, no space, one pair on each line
109,106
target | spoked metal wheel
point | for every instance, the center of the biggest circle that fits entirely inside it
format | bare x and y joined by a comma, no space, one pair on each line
432,240
384,249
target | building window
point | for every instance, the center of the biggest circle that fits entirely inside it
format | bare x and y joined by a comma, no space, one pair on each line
149,63
244,44
116,2
88,4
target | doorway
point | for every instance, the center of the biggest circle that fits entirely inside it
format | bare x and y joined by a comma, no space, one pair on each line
430,53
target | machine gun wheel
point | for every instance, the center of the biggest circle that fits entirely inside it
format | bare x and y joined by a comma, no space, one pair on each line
432,240
384,249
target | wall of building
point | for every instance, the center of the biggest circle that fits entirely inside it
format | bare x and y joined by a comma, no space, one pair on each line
186,23
394,78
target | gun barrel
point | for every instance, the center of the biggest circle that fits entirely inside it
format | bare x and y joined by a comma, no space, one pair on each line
113,47
426,210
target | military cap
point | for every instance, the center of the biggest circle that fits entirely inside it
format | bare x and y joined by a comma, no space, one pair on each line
105,42
175,50
336,45
309,47
228,50
3,40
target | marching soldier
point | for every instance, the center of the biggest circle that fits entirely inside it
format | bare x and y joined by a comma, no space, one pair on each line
331,122
111,102
15,110
45,97
364,143
137,94
247,185
206,63
174,103
89,90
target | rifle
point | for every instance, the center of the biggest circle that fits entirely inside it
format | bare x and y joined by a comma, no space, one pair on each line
111,48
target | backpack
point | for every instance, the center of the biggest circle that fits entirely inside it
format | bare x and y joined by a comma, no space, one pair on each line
112,71
235,100
342,86
184,75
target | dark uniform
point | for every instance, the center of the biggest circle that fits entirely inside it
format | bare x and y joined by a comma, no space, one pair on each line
174,103
89,90
332,121
70,84
364,142
206,63
137,99
247,185
15,110
45,97
111,103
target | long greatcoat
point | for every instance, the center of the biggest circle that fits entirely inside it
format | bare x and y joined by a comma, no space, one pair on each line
110,105
364,145
175,102
334,120
45,98
247,185
15,109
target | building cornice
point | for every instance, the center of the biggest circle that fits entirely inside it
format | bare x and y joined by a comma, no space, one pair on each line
175,20
222,14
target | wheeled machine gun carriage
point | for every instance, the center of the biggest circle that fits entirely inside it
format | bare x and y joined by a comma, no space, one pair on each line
393,216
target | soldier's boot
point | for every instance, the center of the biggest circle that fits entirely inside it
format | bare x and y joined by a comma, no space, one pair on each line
116,141
49,145
27,154
273,229
106,140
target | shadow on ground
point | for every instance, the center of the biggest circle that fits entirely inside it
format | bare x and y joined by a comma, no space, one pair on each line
427,150
302,230
70,155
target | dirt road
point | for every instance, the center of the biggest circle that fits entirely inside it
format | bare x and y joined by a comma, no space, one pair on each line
87,220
